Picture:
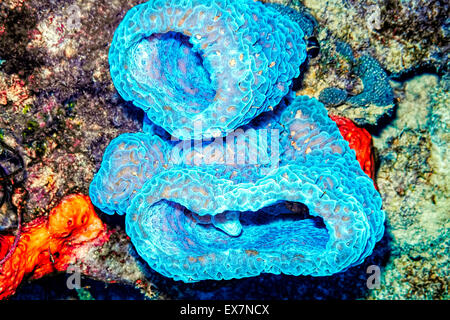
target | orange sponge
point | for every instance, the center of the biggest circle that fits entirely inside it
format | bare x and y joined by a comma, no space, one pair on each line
52,243
359,140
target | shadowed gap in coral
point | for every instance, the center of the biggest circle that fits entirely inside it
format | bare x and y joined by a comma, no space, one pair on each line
263,230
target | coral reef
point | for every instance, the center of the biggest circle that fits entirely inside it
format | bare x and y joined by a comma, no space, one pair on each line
362,91
382,31
59,110
400,34
203,68
56,109
377,90
376,98
413,179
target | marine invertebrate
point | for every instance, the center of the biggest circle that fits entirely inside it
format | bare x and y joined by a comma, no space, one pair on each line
360,140
49,244
377,90
211,211
305,20
225,209
332,96
127,163
203,68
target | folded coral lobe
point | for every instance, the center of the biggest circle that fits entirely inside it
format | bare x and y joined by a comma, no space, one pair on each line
203,68
283,193
198,222
128,162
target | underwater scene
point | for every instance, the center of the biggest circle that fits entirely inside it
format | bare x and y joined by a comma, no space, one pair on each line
224,150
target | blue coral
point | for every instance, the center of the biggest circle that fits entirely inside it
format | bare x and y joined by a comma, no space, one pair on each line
377,90
332,96
305,20
344,49
225,208
194,212
203,68
128,161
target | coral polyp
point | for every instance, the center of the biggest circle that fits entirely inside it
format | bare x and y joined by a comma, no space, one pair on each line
203,68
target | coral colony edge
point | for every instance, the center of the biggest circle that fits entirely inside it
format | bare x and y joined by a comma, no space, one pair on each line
224,149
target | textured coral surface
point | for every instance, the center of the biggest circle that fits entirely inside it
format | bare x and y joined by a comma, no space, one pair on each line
203,68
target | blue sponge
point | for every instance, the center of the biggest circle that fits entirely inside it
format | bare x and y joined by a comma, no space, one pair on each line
200,69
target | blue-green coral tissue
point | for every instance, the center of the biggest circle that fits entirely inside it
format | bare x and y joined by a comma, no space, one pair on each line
195,212
201,68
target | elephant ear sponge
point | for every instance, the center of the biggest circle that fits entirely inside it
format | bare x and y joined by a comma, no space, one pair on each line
203,68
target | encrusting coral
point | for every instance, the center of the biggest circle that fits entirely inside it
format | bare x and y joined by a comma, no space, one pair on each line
377,90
